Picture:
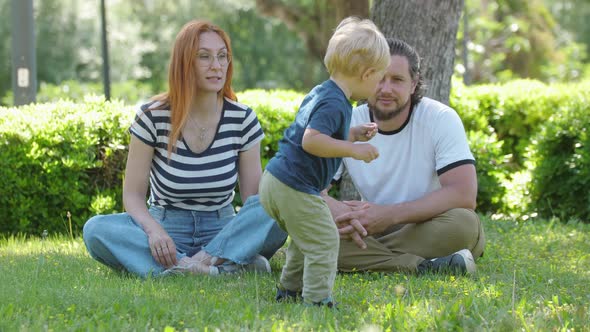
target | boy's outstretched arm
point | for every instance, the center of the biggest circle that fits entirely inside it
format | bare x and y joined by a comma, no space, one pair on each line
324,146
363,132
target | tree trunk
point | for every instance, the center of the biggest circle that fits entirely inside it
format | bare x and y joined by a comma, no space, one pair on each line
431,27
347,191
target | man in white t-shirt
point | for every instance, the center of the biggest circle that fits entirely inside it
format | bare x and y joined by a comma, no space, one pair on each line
418,198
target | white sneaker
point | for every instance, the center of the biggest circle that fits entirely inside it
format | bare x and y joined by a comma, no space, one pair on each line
460,262
259,264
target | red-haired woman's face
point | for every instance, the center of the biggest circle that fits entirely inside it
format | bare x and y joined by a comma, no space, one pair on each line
212,60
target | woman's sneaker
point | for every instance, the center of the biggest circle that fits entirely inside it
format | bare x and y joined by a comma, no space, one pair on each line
460,263
259,264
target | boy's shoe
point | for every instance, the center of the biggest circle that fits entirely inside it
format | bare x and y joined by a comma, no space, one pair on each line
461,263
328,302
285,295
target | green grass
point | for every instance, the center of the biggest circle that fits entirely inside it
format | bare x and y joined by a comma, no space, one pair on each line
534,277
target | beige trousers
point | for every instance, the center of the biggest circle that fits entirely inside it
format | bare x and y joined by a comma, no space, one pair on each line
313,251
402,248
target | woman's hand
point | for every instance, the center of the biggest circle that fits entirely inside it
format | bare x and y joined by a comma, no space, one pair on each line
162,247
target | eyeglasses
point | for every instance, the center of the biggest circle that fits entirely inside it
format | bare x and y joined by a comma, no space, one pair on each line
206,59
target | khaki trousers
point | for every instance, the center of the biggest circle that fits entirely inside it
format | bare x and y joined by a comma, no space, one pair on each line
313,251
402,248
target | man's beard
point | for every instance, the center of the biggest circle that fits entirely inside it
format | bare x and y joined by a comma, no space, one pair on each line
384,116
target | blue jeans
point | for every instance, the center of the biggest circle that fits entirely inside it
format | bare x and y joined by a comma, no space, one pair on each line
117,241
251,232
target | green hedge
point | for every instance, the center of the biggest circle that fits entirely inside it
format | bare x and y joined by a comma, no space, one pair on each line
276,110
59,158
513,115
69,156
559,161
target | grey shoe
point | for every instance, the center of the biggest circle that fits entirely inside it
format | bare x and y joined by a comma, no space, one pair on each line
461,262
259,264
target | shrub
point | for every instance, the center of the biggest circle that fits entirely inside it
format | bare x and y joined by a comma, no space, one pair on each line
517,111
64,156
491,160
60,157
559,160
276,110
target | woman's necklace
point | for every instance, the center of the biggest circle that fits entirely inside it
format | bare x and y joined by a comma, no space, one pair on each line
203,130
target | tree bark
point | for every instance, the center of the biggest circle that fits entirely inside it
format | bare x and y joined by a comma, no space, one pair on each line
431,27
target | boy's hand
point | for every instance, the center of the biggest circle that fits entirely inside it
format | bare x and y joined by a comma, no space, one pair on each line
364,152
364,132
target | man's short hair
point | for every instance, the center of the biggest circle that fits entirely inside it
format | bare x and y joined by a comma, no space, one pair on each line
356,45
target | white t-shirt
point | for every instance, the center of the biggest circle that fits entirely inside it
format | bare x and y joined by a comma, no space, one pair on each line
431,142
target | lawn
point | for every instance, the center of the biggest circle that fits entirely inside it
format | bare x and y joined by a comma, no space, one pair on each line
534,277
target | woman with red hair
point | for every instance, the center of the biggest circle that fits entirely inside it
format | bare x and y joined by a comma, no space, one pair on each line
190,146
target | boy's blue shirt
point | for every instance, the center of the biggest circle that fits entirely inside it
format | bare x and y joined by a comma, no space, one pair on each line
327,110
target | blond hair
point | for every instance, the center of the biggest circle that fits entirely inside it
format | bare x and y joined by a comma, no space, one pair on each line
356,45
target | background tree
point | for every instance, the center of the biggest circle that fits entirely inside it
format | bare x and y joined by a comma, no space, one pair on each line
280,43
510,39
314,21
429,26
5,47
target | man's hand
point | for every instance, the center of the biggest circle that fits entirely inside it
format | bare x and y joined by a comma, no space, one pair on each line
354,229
370,217
337,209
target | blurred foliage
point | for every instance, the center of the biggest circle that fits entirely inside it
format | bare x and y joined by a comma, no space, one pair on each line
541,39
141,34
129,92
510,39
573,16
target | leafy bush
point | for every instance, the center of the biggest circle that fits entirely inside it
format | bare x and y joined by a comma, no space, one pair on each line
559,160
65,156
515,110
276,110
514,114
61,157
491,160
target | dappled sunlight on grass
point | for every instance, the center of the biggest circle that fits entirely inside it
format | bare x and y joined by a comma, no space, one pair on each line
533,276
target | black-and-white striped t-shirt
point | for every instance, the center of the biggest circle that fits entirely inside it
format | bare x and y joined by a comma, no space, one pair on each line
197,181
